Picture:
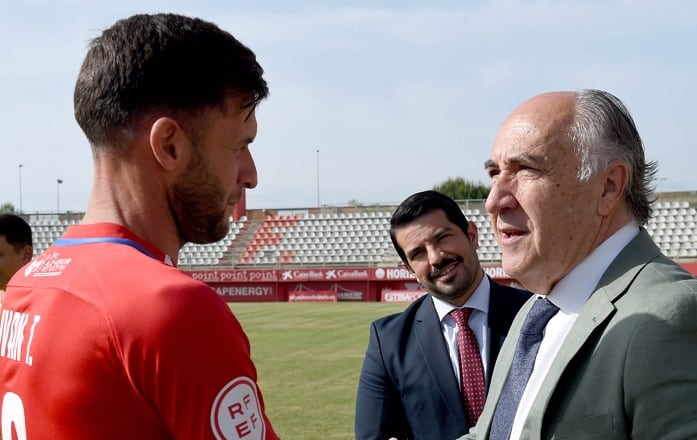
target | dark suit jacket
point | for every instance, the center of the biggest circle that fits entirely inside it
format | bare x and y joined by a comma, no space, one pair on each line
627,368
407,387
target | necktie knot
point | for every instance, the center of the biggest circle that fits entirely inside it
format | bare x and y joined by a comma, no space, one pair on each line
461,316
538,316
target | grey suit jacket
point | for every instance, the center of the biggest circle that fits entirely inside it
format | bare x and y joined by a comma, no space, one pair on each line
628,367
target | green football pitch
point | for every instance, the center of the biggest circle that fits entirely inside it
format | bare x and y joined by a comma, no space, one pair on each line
308,358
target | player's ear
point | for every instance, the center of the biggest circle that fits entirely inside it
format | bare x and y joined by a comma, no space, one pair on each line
169,143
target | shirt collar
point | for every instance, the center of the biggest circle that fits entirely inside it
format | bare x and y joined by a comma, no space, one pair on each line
478,301
571,292
116,231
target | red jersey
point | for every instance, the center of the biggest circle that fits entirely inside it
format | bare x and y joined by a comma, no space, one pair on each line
100,339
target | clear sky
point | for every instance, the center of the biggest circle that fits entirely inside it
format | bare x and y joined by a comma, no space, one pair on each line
397,96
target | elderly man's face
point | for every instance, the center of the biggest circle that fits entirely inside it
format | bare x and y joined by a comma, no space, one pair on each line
545,219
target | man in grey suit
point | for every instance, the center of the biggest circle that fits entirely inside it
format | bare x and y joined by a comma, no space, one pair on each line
411,384
571,193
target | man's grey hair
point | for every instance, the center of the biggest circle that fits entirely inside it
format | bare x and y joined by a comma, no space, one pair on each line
603,132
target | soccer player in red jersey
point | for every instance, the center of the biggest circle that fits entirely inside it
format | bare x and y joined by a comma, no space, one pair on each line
102,337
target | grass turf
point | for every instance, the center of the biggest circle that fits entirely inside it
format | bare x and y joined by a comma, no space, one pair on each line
308,357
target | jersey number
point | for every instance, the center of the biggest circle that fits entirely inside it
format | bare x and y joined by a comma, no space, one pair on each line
13,414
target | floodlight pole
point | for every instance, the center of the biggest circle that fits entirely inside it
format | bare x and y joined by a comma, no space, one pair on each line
318,205
58,195
20,188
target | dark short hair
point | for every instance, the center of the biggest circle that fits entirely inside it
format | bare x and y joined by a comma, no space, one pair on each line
422,203
16,231
165,63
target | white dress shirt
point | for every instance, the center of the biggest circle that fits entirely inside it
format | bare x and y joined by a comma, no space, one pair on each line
570,295
478,322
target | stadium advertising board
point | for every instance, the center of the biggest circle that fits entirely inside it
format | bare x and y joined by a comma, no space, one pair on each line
280,275
325,274
328,284
388,295
690,267
261,292
402,273
350,293
319,274
312,296
234,275
345,291
392,273
497,273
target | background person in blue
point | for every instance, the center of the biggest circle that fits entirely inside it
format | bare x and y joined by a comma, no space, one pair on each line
410,386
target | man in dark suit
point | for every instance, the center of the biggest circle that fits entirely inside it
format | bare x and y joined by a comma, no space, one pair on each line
617,359
413,384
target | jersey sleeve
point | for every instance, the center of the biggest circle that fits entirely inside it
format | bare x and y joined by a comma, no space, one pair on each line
190,357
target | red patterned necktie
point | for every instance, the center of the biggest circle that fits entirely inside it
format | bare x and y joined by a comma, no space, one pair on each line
471,369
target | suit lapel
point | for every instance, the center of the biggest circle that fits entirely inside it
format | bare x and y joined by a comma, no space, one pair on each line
596,312
435,356
497,327
503,308
503,364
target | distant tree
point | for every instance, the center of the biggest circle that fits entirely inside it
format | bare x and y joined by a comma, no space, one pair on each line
7,208
461,189
355,203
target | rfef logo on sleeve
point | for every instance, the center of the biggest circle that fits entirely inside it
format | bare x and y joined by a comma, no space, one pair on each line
236,413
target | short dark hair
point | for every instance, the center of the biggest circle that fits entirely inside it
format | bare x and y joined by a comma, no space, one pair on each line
422,203
160,63
16,231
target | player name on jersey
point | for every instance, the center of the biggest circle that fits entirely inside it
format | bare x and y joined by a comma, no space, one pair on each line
14,342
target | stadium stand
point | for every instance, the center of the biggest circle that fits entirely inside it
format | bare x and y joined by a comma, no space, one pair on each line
319,239
673,228
46,228
360,237
210,254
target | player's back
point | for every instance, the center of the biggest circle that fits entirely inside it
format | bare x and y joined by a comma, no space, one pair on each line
100,341
59,358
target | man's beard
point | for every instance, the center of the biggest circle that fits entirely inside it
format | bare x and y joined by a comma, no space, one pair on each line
197,204
449,291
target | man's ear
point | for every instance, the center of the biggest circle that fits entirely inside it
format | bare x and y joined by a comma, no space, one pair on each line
473,234
616,179
27,253
169,143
